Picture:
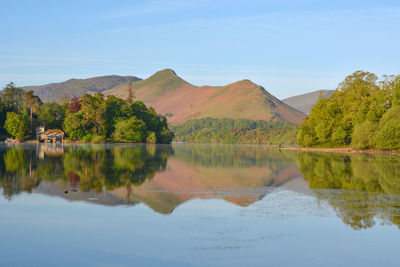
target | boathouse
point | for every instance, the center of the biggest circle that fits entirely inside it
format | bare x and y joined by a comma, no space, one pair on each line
49,136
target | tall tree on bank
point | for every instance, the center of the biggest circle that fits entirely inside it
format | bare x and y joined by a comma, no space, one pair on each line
131,96
33,103
12,97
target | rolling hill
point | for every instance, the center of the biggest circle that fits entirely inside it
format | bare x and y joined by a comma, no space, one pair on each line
305,102
78,87
181,101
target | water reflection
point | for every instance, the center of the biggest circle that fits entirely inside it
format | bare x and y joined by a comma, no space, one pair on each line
140,173
360,188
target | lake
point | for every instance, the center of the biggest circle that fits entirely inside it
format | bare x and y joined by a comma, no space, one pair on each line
196,205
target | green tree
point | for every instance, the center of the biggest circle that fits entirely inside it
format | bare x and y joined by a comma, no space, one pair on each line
151,138
52,115
396,92
388,134
363,135
359,98
130,130
12,97
94,109
17,125
33,103
76,125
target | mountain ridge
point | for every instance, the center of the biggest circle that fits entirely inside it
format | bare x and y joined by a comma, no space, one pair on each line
180,101
170,95
305,102
78,87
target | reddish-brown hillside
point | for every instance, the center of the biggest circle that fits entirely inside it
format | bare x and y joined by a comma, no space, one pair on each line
170,95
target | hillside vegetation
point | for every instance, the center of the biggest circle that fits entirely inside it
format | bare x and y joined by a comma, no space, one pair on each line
362,113
231,131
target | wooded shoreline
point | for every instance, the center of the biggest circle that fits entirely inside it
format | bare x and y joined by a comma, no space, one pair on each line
342,150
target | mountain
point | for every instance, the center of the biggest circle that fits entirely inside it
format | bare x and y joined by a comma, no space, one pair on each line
181,101
78,87
181,182
305,102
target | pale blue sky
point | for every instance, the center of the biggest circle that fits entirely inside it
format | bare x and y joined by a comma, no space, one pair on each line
289,47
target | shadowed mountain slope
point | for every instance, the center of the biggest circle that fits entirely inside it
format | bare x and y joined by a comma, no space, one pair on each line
305,102
78,87
181,101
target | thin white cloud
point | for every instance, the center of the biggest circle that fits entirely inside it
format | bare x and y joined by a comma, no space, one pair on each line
155,7
278,21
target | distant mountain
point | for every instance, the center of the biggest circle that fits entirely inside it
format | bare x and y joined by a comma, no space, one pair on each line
305,102
181,101
78,87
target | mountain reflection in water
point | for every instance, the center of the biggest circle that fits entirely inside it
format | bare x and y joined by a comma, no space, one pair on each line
360,188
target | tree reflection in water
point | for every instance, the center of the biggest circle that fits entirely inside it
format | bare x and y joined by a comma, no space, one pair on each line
359,187
87,167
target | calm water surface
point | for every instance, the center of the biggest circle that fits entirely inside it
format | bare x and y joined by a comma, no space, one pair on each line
201,205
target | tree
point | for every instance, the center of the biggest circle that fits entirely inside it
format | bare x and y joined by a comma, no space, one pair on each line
131,96
388,134
74,106
115,109
130,130
12,97
151,138
94,109
363,135
33,103
332,120
76,125
17,125
396,92
165,136
52,115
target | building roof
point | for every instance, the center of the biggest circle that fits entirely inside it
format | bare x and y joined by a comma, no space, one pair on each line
53,131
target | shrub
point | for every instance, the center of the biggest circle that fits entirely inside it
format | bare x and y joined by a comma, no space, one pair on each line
87,138
98,139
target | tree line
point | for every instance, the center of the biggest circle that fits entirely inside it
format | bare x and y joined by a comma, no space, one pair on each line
362,113
90,118
230,131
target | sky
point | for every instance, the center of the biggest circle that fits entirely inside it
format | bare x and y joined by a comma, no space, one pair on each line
289,47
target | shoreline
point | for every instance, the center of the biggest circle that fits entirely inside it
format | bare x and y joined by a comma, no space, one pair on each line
342,150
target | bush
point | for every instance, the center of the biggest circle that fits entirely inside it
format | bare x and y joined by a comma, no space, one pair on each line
97,139
87,138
